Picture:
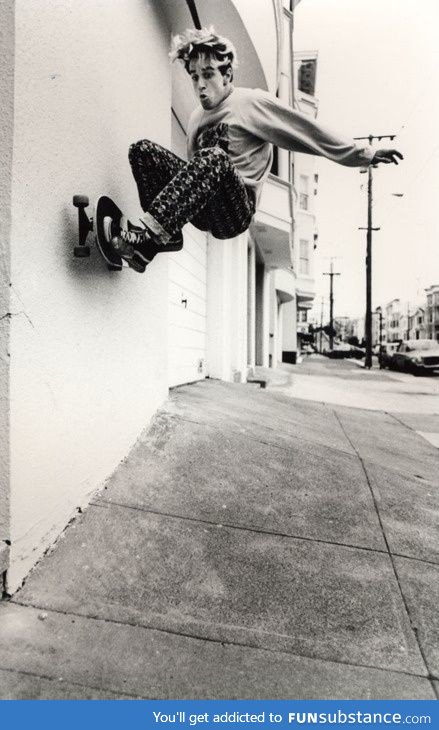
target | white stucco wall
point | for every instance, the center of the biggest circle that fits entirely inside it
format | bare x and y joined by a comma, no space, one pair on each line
260,22
6,135
289,334
227,270
88,351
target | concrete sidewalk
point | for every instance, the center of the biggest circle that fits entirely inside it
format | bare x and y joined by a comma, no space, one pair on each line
251,546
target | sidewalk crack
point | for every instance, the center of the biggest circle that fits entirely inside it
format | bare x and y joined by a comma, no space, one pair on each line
57,680
225,643
390,554
104,503
265,443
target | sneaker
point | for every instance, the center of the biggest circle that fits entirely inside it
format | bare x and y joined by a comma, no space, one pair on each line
137,264
129,242
126,238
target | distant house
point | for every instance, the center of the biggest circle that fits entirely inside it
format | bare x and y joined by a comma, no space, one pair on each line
394,321
417,324
432,312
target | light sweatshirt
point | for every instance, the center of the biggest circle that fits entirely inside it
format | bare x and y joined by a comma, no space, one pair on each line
249,121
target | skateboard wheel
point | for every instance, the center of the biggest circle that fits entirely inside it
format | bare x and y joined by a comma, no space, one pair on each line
81,201
81,252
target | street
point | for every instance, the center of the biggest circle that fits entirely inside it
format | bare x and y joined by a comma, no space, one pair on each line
347,383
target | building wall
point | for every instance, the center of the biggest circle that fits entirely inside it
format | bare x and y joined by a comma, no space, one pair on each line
88,356
251,305
6,136
227,301
262,314
93,351
305,189
187,334
305,219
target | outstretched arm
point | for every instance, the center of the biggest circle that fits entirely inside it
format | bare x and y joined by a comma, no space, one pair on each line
285,127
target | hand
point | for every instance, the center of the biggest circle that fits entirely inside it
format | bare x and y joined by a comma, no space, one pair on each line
386,156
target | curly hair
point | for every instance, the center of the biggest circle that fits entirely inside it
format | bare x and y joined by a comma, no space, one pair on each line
194,43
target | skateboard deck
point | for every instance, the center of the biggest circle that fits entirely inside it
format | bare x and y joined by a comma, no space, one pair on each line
104,225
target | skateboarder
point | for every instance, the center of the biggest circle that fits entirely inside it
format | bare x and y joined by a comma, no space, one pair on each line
230,138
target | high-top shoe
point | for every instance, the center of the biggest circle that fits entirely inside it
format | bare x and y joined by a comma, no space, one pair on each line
131,243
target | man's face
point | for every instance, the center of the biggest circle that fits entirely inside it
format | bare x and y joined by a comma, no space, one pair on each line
210,86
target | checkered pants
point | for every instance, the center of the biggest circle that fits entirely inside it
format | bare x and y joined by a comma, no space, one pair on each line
207,191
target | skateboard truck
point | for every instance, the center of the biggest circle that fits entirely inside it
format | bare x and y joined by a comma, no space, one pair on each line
106,215
85,226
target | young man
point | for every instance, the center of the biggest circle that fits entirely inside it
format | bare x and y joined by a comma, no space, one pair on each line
230,138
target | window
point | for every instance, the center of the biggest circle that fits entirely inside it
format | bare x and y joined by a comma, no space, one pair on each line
304,257
307,76
303,192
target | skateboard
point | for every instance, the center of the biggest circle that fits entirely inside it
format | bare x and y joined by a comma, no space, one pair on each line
104,224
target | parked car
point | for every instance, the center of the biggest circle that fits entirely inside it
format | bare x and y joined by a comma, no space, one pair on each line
386,353
339,350
416,356
357,352
343,349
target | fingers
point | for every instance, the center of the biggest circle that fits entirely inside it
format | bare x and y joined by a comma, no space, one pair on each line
388,156
395,155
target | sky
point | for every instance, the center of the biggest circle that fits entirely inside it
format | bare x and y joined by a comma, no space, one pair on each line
378,73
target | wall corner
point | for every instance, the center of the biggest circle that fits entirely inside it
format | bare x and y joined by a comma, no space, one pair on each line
7,51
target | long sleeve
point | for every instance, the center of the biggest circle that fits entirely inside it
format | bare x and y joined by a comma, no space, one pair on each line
267,118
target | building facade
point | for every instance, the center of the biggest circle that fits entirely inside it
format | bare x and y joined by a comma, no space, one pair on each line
90,353
432,312
394,320
305,186
417,328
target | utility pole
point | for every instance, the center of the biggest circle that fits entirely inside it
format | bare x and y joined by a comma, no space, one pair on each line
331,275
321,324
369,229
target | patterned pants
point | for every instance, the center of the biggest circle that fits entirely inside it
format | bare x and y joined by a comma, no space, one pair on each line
207,191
